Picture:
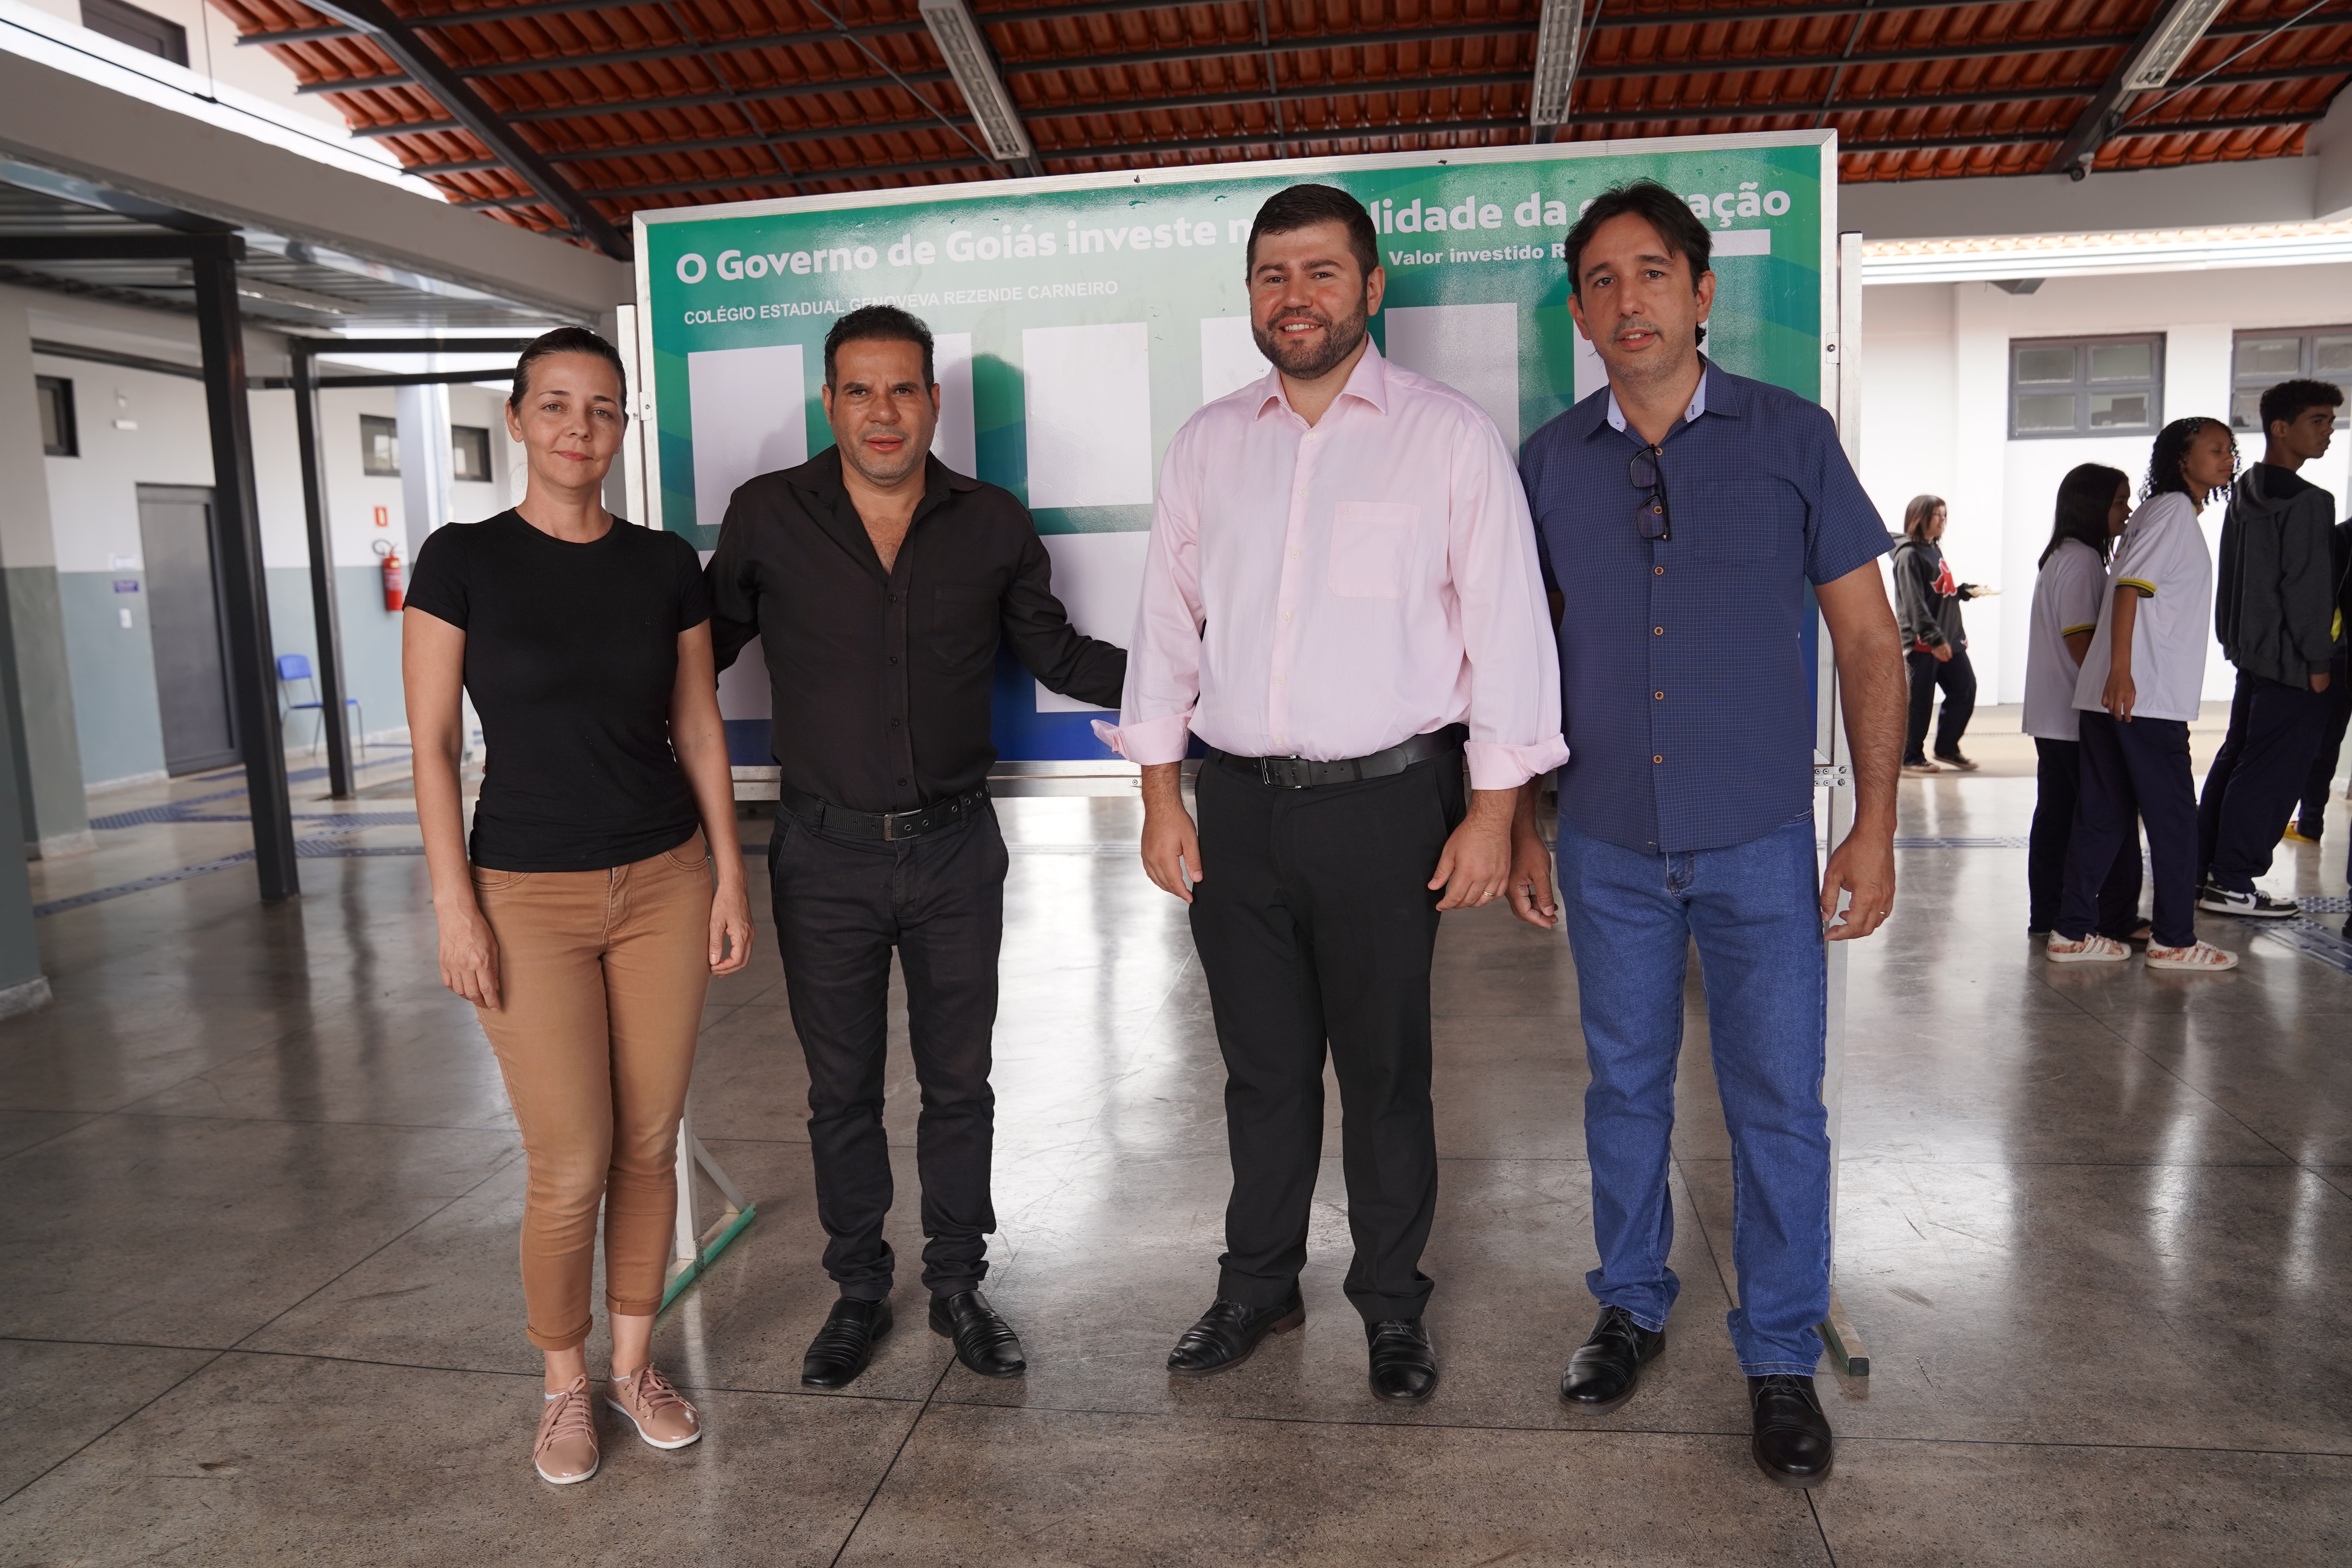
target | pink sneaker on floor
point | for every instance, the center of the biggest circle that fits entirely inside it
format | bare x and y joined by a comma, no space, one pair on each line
2203,956
566,1453
2092,949
660,1413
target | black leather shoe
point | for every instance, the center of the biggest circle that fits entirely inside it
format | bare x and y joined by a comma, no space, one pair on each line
845,1344
984,1341
1405,1367
1607,1367
1228,1332
1792,1436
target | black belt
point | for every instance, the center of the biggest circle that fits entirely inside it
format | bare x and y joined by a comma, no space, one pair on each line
1297,773
888,826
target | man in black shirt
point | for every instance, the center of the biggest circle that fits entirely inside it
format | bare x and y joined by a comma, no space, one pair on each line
879,585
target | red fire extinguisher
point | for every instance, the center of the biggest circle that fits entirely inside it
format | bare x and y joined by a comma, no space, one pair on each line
392,594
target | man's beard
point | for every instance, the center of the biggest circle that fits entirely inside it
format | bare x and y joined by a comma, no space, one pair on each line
1341,339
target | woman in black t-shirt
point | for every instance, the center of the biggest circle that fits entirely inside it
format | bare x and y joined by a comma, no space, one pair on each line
582,922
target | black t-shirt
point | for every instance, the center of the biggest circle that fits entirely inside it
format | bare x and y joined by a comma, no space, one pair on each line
571,656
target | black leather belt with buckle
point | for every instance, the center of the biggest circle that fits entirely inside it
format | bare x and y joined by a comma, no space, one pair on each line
887,826
1298,773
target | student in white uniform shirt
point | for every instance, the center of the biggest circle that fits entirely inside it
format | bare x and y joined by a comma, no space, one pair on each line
2094,503
2140,688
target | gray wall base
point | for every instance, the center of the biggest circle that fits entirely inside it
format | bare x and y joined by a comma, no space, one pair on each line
28,997
58,845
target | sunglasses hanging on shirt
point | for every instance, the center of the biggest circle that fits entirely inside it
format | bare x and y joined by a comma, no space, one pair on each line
1647,477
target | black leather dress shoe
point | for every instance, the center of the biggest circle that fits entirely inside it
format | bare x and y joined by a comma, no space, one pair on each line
1792,1436
1405,1367
984,1341
1607,1367
1228,1332
845,1344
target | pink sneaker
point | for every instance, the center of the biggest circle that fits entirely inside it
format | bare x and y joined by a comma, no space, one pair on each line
2203,956
2092,949
565,1452
661,1415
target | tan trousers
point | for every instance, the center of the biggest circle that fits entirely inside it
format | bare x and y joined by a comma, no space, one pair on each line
600,981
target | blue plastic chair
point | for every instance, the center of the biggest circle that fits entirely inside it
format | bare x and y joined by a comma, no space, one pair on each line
294,667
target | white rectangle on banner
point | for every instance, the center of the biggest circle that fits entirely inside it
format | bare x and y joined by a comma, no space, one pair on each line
1099,577
1592,375
1740,242
1474,349
1229,356
952,363
749,412
1087,392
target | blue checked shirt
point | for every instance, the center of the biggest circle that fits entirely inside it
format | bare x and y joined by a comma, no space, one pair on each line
1687,700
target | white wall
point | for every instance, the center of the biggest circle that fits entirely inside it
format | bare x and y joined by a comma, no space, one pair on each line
94,518
1936,390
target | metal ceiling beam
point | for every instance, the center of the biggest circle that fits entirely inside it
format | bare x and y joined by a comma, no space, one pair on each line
2135,132
1678,67
412,55
223,247
1120,7
757,179
1367,89
1295,44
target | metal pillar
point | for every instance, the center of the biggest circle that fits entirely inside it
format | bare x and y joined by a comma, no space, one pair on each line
334,713
236,535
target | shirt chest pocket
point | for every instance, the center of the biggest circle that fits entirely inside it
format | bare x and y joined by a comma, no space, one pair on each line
1372,548
964,625
1747,522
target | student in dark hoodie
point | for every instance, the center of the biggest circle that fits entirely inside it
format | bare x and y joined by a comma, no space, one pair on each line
2275,611
1927,604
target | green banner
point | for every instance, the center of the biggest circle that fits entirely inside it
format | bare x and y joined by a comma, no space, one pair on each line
1084,319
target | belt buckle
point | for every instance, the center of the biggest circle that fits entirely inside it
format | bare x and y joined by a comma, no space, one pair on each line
1281,772
889,827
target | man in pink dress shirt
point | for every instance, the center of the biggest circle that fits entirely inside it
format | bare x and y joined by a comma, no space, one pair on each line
1342,598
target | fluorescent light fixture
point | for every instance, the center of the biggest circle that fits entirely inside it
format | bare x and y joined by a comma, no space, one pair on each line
966,52
1555,77
2002,261
2168,44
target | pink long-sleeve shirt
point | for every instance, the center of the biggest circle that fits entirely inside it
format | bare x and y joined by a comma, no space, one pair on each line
1330,591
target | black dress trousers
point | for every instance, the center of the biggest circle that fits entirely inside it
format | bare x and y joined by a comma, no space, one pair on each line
842,904
2059,777
2256,782
1314,925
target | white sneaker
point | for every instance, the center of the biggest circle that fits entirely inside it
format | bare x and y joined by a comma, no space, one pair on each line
2092,949
2257,905
2202,956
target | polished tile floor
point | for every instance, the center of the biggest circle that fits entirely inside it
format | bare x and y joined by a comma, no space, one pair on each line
258,1301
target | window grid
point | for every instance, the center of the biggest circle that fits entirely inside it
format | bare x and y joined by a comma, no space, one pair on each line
2065,387
2261,360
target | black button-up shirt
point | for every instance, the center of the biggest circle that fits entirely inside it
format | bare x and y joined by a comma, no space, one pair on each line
883,681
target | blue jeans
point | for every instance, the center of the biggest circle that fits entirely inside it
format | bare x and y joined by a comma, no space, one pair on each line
1754,909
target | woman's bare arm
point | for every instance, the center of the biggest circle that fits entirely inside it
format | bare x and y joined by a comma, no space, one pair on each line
701,740
433,669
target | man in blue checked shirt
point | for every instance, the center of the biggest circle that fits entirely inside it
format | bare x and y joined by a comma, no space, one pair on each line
1689,508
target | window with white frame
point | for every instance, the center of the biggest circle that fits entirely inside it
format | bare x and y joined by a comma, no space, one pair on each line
2086,387
2260,360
